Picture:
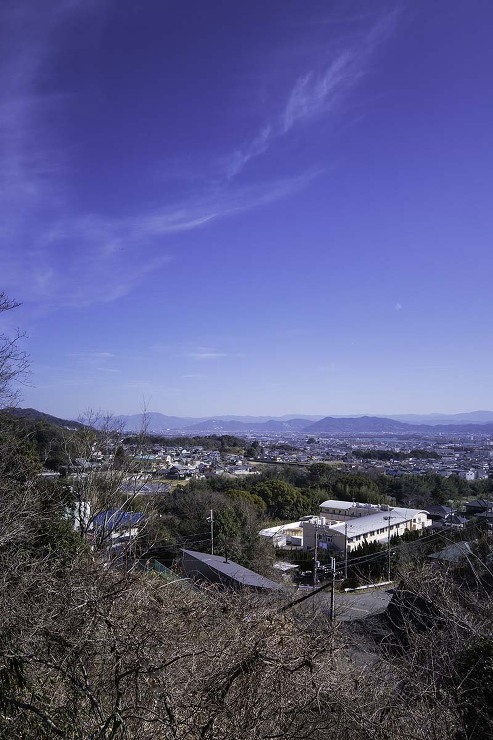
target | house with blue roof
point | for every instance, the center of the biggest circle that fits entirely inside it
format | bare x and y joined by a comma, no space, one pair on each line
116,528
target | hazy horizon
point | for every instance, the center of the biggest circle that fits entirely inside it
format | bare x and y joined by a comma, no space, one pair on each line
265,417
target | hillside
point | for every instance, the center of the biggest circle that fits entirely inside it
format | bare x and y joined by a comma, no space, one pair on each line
362,424
34,415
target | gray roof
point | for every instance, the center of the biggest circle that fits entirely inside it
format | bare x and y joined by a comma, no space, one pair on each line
363,525
232,570
334,504
439,510
453,553
480,503
149,488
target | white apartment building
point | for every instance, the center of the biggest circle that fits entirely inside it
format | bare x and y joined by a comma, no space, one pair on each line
347,523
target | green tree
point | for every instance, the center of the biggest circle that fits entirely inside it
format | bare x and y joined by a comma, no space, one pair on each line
120,458
251,498
283,500
254,450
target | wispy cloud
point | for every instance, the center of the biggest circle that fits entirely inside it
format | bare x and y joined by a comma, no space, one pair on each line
206,353
90,355
92,361
78,259
105,265
316,93
240,157
30,160
313,94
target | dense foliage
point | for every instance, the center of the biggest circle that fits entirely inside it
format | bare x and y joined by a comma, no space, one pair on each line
293,491
386,455
226,443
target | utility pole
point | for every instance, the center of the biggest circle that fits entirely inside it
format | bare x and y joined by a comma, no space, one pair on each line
388,554
211,520
451,515
345,551
332,590
388,548
315,557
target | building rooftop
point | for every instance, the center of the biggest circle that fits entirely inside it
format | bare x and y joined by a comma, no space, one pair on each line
333,504
113,518
232,570
453,553
375,521
279,528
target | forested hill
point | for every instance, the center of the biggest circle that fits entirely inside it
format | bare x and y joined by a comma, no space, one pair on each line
34,415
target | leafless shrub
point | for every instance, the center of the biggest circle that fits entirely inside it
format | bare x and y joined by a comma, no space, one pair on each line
13,360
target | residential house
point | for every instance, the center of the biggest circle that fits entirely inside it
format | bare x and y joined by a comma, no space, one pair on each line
116,529
480,506
454,553
443,517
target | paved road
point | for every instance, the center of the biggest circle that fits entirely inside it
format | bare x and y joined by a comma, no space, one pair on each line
358,605
350,606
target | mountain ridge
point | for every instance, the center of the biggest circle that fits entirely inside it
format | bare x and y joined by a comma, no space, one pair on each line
178,422
155,422
362,423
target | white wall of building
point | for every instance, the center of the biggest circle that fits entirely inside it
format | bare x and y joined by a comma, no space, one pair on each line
361,525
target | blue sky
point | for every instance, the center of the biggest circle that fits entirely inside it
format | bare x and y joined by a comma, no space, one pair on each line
258,207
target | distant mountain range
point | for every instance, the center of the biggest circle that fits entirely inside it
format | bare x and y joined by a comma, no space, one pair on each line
466,423
160,423
469,417
381,425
